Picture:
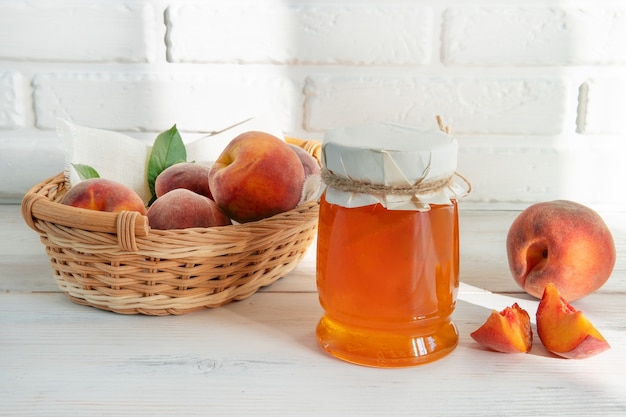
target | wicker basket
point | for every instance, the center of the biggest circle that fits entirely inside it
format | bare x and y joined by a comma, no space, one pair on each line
115,262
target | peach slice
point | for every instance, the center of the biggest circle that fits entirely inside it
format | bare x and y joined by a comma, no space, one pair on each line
565,331
506,331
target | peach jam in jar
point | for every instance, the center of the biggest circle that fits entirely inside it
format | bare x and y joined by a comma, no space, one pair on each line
388,245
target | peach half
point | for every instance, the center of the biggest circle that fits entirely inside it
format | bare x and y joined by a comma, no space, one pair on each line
565,331
507,331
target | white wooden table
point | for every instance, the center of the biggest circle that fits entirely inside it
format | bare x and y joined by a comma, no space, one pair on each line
260,357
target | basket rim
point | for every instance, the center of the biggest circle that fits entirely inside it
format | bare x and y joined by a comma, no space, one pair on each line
37,205
128,226
32,194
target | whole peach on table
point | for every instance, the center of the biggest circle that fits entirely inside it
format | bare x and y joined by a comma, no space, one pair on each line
565,331
507,331
103,195
182,208
190,175
562,242
257,175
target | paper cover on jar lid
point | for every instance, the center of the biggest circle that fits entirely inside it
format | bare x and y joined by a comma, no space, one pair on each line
400,167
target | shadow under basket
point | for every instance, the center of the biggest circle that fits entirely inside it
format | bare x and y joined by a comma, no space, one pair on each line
115,262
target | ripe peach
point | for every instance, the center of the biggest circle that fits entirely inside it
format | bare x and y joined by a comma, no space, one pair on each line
190,175
310,164
565,331
562,242
104,195
182,208
256,176
506,331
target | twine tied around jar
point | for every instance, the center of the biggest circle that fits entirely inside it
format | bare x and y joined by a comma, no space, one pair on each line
364,187
420,187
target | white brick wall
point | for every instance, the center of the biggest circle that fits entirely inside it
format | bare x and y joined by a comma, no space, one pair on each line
310,34
12,100
535,90
534,35
154,101
472,105
603,106
78,31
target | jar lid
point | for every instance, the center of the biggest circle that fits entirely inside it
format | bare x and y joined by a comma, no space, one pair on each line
400,167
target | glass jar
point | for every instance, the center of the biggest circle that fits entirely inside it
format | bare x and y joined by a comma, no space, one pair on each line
388,245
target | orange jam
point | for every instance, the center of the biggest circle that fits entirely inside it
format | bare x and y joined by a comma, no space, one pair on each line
387,281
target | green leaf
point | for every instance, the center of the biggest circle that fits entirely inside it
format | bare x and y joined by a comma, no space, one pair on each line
168,149
85,171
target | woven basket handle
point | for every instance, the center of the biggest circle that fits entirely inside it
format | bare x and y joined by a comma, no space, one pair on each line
127,224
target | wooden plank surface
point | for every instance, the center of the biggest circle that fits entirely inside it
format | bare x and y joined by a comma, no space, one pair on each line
260,357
